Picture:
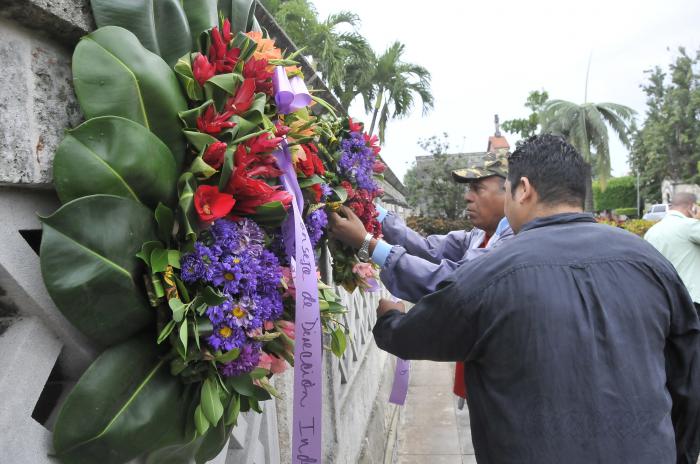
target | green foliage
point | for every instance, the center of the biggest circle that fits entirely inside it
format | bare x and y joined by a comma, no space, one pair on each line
629,212
621,192
430,185
668,144
99,236
638,226
114,75
394,86
425,225
127,388
115,156
527,127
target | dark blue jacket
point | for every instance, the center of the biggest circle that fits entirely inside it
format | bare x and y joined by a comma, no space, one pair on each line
581,345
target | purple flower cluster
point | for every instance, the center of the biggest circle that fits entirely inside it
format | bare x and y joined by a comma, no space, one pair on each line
233,259
316,223
357,161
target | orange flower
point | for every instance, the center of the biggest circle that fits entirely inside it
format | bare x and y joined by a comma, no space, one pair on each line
266,50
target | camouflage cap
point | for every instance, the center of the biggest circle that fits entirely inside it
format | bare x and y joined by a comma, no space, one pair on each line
493,164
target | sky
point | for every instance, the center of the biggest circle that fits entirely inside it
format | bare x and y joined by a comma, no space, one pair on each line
485,57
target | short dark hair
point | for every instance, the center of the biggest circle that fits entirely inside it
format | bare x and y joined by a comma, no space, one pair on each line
554,168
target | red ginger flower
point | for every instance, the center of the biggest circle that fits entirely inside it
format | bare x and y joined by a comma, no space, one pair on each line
312,164
212,122
251,193
378,167
212,204
354,126
214,154
257,70
256,164
243,100
219,54
202,69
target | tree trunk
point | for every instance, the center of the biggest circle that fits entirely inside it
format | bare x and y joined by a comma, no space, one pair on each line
377,106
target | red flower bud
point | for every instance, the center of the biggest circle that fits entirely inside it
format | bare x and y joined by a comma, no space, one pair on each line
202,69
214,154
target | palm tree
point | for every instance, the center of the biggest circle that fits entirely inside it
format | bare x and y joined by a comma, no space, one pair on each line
586,128
393,86
332,51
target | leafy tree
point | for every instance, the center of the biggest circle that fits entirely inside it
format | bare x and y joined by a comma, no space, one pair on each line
332,50
668,144
429,184
529,126
585,126
394,85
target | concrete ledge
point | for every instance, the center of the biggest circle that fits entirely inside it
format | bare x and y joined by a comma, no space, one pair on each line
64,20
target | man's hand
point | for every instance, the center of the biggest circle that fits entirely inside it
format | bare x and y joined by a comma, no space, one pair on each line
347,227
387,305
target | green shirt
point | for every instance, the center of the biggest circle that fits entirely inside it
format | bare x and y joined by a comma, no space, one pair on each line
678,238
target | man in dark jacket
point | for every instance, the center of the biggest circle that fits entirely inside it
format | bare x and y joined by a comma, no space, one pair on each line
581,343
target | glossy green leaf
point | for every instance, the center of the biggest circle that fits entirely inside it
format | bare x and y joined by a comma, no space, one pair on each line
227,82
165,333
183,70
211,402
115,75
229,356
146,250
212,443
159,260
338,342
227,168
202,15
184,335
160,25
200,421
212,297
189,117
89,265
270,214
201,169
165,220
243,384
233,409
174,258
115,156
125,404
178,309
186,187
199,140
240,12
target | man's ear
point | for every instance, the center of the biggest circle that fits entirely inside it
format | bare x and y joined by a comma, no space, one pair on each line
526,193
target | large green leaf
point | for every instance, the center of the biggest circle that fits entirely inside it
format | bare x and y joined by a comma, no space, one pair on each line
90,268
160,25
114,156
240,12
115,76
126,404
202,15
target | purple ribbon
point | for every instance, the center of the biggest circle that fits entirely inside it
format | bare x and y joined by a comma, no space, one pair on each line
400,387
306,412
290,94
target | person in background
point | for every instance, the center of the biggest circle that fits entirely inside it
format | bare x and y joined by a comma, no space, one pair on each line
412,265
677,237
581,344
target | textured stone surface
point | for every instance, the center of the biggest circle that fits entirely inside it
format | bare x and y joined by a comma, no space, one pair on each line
63,20
37,105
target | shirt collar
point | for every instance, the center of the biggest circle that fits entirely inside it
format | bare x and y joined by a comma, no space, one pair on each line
563,218
502,225
673,212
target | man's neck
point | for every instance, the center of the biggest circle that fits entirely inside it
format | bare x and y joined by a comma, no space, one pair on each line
542,211
683,211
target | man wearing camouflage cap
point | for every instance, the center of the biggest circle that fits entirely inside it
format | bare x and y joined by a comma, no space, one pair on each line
412,266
